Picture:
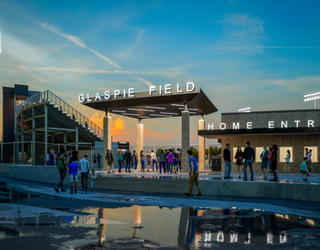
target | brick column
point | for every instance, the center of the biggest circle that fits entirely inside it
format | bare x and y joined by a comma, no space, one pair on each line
106,138
185,135
140,129
202,146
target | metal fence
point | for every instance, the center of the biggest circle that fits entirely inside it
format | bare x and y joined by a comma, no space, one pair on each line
48,96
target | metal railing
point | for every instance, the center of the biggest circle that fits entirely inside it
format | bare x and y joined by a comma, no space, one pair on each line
49,97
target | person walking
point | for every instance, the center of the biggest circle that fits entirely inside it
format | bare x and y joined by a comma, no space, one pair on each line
162,161
142,158
309,160
306,150
135,160
94,160
264,162
93,177
193,174
239,162
154,160
62,167
269,159
119,158
167,164
127,159
175,162
149,159
227,161
170,161
248,155
274,162
304,169
286,165
99,160
84,169
110,161
73,171
179,159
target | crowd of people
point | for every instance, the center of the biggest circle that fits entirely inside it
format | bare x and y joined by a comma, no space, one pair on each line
269,159
166,161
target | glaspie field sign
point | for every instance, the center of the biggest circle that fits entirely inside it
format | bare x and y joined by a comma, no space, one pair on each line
130,92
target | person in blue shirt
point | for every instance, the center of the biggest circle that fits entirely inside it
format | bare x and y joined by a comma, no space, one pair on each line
193,174
304,169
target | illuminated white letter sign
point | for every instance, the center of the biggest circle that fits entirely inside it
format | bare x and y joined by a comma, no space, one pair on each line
152,89
116,93
107,95
98,96
188,86
271,124
81,98
236,126
167,89
297,123
210,126
178,89
284,124
249,125
223,126
131,92
310,123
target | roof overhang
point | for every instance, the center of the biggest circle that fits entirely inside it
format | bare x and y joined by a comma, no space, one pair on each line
216,134
157,105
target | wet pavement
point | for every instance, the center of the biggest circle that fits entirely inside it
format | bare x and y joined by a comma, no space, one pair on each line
33,216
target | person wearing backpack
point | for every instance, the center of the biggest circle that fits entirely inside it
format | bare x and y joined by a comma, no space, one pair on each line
61,165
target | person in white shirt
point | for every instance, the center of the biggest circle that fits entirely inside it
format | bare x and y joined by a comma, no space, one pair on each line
286,165
84,169
154,160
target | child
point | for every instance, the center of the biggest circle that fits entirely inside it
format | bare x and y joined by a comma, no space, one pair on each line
73,171
304,169
93,177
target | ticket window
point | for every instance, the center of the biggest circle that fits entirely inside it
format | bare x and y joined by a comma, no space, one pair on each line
283,154
258,152
235,150
314,156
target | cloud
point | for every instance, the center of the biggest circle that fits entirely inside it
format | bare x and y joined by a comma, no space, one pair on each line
261,47
41,80
77,41
169,135
145,81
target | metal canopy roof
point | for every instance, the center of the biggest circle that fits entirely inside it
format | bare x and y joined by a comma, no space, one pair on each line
145,106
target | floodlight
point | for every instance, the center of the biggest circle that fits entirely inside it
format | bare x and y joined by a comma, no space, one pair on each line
247,109
313,96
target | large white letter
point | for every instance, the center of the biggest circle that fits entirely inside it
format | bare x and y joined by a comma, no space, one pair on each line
224,126
160,91
249,125
116,93
271,124
81,98
284,124
131,92
311,123
167,89
124,93
151,89
210,127
98,96
107,95
297,123
236,126
178,89
88,98
192,85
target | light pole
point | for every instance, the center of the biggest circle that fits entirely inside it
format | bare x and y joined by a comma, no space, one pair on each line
312,97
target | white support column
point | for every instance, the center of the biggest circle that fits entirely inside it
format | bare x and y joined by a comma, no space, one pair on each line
33,144
77,138
185,136
106,138
202,145
45,132
140,130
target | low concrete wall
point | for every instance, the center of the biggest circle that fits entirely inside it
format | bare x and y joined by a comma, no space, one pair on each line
4,168
292,191
46,174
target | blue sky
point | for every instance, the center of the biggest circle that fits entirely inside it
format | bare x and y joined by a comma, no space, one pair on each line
263,54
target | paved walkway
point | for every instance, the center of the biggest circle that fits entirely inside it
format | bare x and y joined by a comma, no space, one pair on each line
211,176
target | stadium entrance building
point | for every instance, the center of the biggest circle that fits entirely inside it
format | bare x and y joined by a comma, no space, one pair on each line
293,130
157,102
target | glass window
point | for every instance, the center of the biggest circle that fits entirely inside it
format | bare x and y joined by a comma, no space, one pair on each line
259,151
283,154
314,156
235,150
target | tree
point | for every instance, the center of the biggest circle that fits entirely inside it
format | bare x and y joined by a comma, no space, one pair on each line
194,151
